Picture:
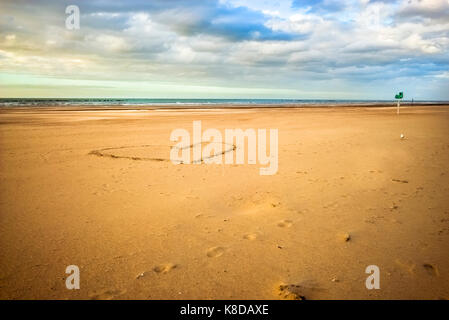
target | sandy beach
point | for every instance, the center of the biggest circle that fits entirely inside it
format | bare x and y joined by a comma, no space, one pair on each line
348,193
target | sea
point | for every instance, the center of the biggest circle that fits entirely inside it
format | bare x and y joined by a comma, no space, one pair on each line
38,102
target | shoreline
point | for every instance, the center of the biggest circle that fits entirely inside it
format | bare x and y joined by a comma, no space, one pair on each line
214,107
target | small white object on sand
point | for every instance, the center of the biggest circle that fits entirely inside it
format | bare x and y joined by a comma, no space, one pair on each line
402,136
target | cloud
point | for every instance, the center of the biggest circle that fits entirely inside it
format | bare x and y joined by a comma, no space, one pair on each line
313,46
320,5
425,9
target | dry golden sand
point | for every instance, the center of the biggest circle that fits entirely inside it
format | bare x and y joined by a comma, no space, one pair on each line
349,193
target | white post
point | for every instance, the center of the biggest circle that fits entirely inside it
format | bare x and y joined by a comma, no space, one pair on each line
399,102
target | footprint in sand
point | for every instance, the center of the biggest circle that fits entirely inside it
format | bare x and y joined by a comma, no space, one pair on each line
164,267
202,216
215,252
285,223
344,236
305,290
250,236
431,270
290,292
106,295
399,180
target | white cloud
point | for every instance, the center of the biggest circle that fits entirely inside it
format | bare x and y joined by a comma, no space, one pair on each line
107,42
425,8
379,42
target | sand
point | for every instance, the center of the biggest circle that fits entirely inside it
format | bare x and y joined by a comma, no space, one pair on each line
349,193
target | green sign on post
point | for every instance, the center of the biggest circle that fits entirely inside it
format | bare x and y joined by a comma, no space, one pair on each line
398,97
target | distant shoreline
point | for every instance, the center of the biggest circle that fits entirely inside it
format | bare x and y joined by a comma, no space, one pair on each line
149,107
103,103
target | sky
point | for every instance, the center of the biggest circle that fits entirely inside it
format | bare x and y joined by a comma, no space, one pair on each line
297,49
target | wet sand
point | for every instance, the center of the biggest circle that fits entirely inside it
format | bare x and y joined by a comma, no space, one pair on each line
349,193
